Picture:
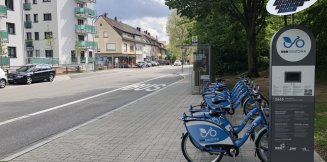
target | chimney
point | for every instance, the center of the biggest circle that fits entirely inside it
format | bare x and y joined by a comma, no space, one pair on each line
139,29
146,32
149,34
105,14
116,19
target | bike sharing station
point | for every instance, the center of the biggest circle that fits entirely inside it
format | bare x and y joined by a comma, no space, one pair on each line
292,84
202,66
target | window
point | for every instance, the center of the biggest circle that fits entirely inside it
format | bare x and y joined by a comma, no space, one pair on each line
28,17
46,0
34,1
80,22
36,18
105,35
10,4
37,53
125,47
28,35
12,52
131,48
90,54
11,28
111,47
47,35
37,36
48,53
47,17
29,53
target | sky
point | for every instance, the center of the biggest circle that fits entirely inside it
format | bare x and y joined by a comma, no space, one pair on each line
150,15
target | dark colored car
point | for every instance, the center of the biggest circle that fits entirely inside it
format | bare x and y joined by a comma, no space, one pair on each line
32,73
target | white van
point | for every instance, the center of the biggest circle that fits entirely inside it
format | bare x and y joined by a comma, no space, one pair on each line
3,79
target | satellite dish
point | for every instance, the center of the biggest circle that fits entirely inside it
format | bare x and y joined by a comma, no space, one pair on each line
288,7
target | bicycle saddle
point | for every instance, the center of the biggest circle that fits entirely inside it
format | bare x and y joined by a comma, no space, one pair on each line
216,112
217,101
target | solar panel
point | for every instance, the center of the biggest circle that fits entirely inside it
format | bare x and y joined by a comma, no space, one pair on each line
287,7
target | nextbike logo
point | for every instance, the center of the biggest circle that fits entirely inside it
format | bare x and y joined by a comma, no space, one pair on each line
204,133
298,42
293,45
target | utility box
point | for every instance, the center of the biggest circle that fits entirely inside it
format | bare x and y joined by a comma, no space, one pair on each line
292,95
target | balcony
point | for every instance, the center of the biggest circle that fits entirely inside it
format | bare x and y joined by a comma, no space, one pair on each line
83,60
3,11
85,29
27,6
28,24
84,12
86,1
4,36
87,44
29,43
91,59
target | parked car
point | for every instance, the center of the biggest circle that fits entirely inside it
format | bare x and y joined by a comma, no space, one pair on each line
140,64
154,63
177,63
148,63
31,73
3,79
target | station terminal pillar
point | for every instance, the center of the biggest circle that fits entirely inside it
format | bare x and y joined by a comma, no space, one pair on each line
292,95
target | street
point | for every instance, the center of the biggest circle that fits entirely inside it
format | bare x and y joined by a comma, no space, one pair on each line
32,113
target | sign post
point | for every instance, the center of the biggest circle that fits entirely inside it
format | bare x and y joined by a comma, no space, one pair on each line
292,100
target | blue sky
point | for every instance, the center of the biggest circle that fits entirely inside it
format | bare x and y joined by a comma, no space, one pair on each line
150,15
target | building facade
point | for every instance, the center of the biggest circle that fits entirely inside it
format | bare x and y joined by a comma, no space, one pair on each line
12,31
51,31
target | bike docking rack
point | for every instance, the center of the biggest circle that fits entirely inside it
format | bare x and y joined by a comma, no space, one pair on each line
209,133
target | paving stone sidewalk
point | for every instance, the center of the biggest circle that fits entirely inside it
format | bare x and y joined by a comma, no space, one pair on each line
146,131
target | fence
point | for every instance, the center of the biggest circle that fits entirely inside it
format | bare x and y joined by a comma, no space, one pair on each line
4,61
52,61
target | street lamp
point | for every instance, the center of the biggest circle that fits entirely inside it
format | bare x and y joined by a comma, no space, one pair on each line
182,49
93,43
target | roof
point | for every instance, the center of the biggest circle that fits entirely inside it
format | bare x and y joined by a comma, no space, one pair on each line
121,27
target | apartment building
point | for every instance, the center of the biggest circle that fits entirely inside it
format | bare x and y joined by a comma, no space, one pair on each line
12,31
121,45
48,31
60,30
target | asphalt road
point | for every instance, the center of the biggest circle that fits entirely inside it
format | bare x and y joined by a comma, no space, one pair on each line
32,113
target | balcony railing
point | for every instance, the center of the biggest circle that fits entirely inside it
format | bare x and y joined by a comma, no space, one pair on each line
88,44
74,60
52,61
85,29
28,24
87,1
29,42
83,60
3,11
91,59
84,12
4,36
27,6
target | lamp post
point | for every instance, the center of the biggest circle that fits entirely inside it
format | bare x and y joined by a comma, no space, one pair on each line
93,43
182,53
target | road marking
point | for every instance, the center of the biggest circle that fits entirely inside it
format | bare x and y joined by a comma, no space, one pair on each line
71,103
145,87
56,136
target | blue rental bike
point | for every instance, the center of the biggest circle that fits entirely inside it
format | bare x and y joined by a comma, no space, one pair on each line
210,137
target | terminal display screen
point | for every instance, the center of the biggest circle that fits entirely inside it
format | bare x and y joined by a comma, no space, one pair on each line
292,77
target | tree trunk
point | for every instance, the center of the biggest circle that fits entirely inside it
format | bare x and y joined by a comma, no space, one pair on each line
252,53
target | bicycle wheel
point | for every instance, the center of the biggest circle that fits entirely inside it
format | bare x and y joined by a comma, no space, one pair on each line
193,154
261,145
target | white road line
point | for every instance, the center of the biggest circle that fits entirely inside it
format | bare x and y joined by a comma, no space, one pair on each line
56,136
70,103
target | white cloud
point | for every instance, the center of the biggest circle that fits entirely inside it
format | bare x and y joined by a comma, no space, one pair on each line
155,25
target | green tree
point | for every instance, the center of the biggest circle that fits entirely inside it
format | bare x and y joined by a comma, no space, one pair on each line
178,31
250,13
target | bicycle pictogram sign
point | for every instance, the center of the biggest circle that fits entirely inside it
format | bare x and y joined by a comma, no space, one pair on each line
298,42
